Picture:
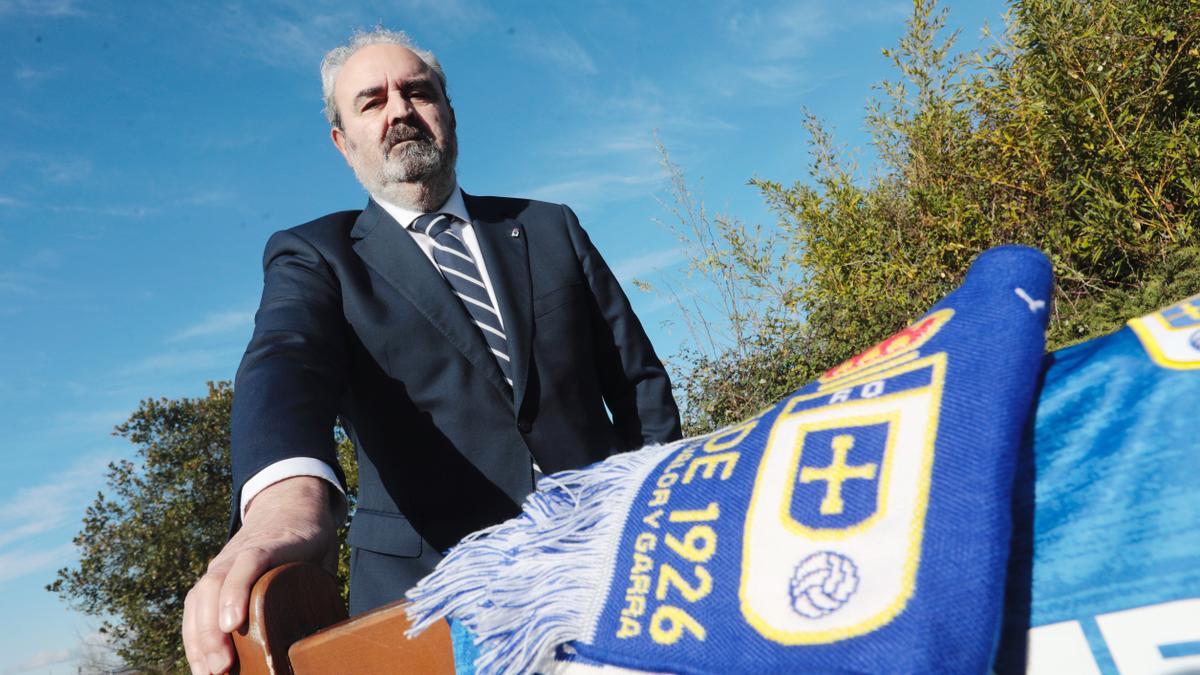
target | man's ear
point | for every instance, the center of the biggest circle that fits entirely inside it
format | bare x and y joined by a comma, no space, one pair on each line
339,141
453,118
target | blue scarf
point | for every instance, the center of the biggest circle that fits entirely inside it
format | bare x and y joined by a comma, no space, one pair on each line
1105,568
861,524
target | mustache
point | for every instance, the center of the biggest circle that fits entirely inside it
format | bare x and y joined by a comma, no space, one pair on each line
403,132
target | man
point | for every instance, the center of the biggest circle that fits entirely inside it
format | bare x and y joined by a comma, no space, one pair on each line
463,340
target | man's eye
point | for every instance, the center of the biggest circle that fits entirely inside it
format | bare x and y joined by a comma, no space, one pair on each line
371,104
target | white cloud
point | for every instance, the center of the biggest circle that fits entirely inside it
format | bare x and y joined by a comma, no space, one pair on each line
300,34
205,197
634,141
776,39
216,324
673,310
66,170
56,501
641,265
287,42
99,421
590,190
889,10
785,31
667,297
29,76
602,140
457,10
627,126
42,659
182,361
41,7
28,279
778,76
105,210
16,564
12,284
9,201
43,259
94,653
555,47
789,29
60,169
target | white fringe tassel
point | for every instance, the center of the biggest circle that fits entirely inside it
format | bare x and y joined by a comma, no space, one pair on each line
529,584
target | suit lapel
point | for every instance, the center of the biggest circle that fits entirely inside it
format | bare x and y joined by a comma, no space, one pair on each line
384,245
507,258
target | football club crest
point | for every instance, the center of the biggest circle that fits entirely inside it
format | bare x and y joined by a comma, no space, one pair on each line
1184,314
899,348
834,528
1171,336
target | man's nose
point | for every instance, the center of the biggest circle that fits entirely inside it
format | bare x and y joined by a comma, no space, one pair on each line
399,108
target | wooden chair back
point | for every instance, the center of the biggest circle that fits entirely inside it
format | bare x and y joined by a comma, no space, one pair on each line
298,626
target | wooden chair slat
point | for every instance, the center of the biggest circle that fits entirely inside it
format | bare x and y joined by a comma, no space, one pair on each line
374,643
288,603
298,626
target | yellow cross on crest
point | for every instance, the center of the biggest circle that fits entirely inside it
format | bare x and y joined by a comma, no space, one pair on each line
836,473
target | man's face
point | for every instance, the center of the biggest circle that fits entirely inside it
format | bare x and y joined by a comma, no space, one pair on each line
397,126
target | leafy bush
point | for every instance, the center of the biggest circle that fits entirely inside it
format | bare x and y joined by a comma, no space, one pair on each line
1077,133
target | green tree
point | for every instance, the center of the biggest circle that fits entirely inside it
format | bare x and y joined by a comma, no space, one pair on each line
166,514
1078,133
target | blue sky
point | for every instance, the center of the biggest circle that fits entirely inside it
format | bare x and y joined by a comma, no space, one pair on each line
148,149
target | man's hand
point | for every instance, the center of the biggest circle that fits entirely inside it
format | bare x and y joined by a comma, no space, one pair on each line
290,521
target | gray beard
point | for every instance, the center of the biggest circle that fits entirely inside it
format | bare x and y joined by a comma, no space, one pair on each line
417,175
412,162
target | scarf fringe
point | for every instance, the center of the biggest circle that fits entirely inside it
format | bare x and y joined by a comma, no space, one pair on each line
529,584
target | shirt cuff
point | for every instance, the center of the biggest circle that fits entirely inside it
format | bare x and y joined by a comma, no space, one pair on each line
290,468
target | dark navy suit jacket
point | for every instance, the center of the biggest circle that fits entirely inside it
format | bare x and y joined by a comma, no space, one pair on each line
356,323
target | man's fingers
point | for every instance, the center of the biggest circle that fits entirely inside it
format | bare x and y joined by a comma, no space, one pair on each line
292,523
212,646
249,565
191,650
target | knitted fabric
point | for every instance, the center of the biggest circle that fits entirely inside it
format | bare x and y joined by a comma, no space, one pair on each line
861,524
1105,568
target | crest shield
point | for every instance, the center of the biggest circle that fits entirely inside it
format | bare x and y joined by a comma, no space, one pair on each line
835,523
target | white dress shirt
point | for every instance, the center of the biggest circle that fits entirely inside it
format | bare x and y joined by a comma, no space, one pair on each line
308,466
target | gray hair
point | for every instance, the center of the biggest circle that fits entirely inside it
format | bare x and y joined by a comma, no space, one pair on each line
332,64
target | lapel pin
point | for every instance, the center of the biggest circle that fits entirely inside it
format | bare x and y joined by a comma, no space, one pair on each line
516,232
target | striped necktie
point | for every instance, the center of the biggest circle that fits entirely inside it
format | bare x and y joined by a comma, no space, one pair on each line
454,261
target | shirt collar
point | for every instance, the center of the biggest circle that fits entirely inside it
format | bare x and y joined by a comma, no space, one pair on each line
454,205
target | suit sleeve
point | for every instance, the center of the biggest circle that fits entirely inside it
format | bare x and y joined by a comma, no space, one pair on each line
635,385
293,374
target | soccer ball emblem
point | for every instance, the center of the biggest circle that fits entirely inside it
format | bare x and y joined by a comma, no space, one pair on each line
822,583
